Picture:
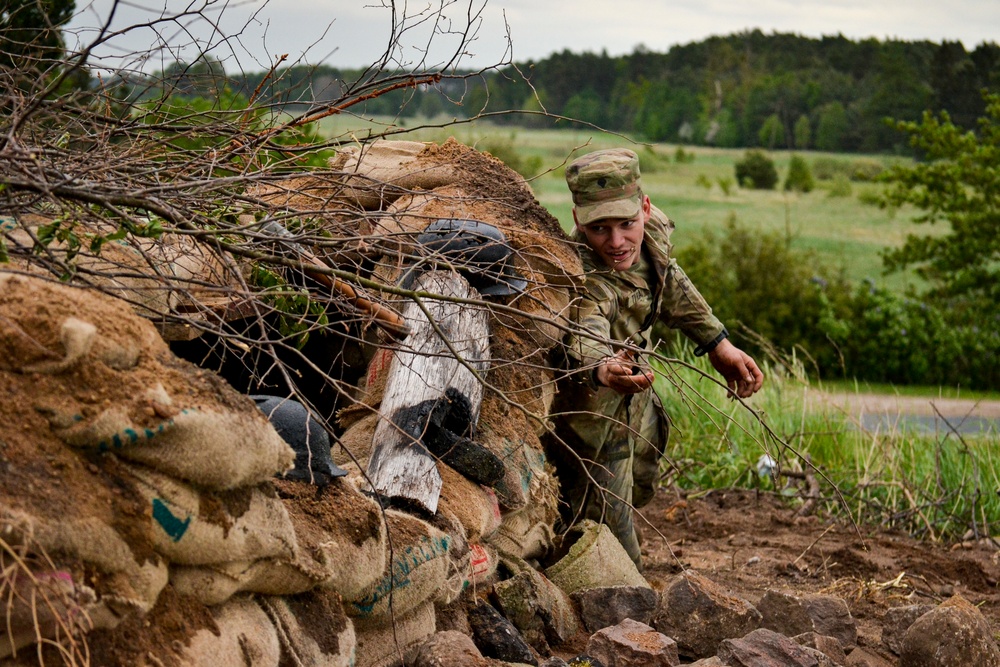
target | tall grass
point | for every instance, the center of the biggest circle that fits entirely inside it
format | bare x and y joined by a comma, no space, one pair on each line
941,486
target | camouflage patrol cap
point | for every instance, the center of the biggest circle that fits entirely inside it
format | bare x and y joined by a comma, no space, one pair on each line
605,184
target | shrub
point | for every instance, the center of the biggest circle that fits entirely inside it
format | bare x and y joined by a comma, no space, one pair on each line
828,168
681,156
703,181
799,177
726,184
865,169
756,171
840,187
503,149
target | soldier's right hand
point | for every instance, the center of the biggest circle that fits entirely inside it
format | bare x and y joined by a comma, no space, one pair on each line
621,374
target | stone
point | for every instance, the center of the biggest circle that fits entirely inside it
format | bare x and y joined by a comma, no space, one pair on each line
766,648
449,649
954,633
828,646
496,637
610,605
822,659
862,658
792,615
539,609
633,644
713,661
698,614
554,661
897,621
584,660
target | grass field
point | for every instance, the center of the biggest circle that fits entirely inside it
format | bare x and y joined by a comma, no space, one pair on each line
844,232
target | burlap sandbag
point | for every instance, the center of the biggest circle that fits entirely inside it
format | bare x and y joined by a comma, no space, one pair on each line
473,505
596,560
214,449
90,572
245,636
537,607
380,172
214,584
340,532
386,642
525,533
416,571
198,527
355,444
312,628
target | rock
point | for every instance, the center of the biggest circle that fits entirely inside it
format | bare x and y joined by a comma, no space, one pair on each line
496,637
539,609
713,661
828,646
791,615
603,607
822,659
897,621
584,660
765,648
698,614
633,644
449,649
554,662
954,633
862,658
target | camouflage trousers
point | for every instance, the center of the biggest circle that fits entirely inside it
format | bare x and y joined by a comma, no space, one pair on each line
606,481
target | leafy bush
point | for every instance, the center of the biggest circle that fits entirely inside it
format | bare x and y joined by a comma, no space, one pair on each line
829,168
682,156
840,187
503,149
726,184
703,181
754,279
866,170
756,171
799,177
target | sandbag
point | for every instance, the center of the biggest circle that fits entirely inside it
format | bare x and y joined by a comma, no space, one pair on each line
217,583
245,636
416,571
198,527
596,560
525,533
473,505
385,642
312,628
211,448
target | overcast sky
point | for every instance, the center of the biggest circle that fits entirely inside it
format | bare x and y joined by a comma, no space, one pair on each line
353,33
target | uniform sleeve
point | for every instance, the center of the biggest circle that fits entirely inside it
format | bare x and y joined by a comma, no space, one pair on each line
683,307
593,313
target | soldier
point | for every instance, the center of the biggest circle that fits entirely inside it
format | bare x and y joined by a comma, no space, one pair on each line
609,416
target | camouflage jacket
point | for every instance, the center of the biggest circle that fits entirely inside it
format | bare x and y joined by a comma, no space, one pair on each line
622,306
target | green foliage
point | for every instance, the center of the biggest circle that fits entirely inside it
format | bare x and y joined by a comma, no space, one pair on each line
887,338
297,313
799,177
866,169
704,181
772,132
803,133
840,187
725,184
827,168
957,182
30,35
682,156
832,127
754,279
213,123
756,171
502,148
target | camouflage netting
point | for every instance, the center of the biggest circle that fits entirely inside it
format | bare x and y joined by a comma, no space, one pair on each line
141,517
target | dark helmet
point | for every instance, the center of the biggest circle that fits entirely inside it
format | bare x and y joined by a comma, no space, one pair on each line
478,250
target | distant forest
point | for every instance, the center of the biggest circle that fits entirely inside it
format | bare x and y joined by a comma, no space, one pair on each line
776,91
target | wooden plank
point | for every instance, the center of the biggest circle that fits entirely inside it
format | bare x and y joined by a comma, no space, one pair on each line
424,367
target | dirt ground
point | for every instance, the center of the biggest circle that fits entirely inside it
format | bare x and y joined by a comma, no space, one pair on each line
750,542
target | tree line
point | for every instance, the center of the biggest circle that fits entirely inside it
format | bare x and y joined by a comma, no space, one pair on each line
750,89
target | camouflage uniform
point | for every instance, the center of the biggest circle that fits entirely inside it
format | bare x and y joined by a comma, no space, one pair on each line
619,437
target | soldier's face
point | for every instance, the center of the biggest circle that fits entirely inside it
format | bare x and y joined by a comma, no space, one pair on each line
618,241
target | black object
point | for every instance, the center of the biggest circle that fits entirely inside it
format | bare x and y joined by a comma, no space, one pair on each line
306,436
496,637
442,425
476,249
712,344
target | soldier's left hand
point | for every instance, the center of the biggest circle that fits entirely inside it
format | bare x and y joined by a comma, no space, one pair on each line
743,377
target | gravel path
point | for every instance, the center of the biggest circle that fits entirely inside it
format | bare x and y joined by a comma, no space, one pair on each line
884,411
